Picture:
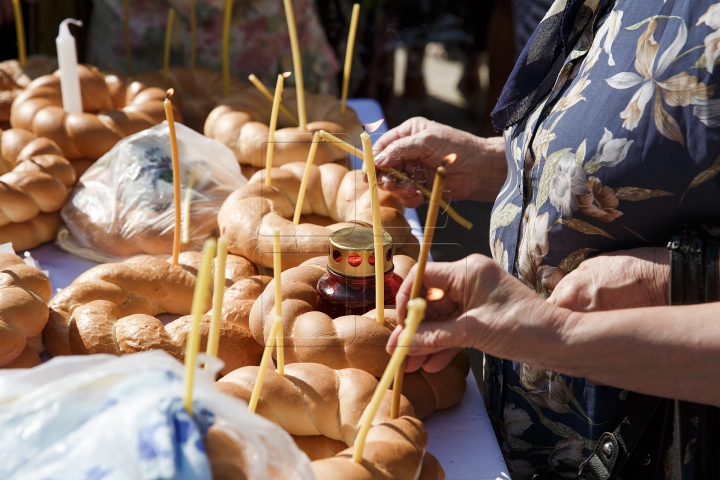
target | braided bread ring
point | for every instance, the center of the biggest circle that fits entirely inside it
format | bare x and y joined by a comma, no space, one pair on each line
14,79
349,341
111,308
24,292
334,194
112,110
199,90
34,185
241,123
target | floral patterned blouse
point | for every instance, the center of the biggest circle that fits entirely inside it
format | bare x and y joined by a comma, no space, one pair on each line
259,40
623,152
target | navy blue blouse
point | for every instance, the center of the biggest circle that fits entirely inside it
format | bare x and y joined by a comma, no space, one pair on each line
621,154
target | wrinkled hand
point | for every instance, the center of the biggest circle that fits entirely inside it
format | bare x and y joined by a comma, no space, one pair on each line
417,148
484,308
624,279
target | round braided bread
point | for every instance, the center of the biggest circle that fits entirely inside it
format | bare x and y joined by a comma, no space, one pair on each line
24,292
334,194
241,123
349,341
199,90
111,308
394,450
112,109
14,79
312,399
35,181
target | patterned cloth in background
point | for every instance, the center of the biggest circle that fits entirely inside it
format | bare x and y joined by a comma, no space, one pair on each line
622,152
259,40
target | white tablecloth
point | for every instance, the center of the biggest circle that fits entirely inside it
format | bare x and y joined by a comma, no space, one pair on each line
461,437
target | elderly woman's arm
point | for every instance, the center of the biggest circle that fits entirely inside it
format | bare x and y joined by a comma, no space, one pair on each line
664,351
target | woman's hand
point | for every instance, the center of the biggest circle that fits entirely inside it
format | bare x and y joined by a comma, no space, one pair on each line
624,279
417,148
484,308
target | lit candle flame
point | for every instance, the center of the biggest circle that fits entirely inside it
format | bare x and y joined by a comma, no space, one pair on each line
170,92
286,74
449,159
434,294
371,127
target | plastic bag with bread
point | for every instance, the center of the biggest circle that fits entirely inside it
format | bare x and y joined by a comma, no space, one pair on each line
122,417
123,205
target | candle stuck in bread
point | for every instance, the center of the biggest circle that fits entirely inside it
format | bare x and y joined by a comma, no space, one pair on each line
218,292
416,312
176,175
377,228
297,63
226,47
349,55
20,31
168,42
305,178
199,305
273,125
263,89
428,232
277,324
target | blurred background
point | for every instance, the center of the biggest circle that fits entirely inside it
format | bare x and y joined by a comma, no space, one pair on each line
446,60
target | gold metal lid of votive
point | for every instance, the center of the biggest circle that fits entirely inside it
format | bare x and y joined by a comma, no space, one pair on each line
350,251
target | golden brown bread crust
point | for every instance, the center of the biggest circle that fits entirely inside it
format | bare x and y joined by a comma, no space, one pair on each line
112,308
35,182
394,450
14,79
24,292
349,341
241,122
112,110
198,90
225,455
312,399
335,198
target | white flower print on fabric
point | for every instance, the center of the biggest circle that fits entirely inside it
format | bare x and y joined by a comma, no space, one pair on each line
568,451
611,151
534,244
680,90
711,18
499,254
568,181
609,31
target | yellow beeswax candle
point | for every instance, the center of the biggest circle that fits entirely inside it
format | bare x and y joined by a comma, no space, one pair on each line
271,132
306,177
349,55
20,30
297,62
218,291
277,270
176,175
226,47
168,42
199,305
263,89
377,228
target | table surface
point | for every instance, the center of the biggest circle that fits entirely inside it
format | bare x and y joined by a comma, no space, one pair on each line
460,437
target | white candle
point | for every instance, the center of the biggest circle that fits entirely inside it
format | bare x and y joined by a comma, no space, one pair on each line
67,61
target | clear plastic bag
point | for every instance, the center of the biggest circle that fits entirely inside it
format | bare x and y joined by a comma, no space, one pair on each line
109,417
123,204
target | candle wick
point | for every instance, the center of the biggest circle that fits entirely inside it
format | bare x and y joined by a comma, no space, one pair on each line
170,92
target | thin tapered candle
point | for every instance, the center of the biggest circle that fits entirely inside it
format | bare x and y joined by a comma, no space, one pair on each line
193,34
263,89
20,31
335,141
226,47
271,132
297,63
168,41
306,177
277,270
128,40
257,388
199,305
428,232
213,342
176,176
416,312
349,55
377,229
